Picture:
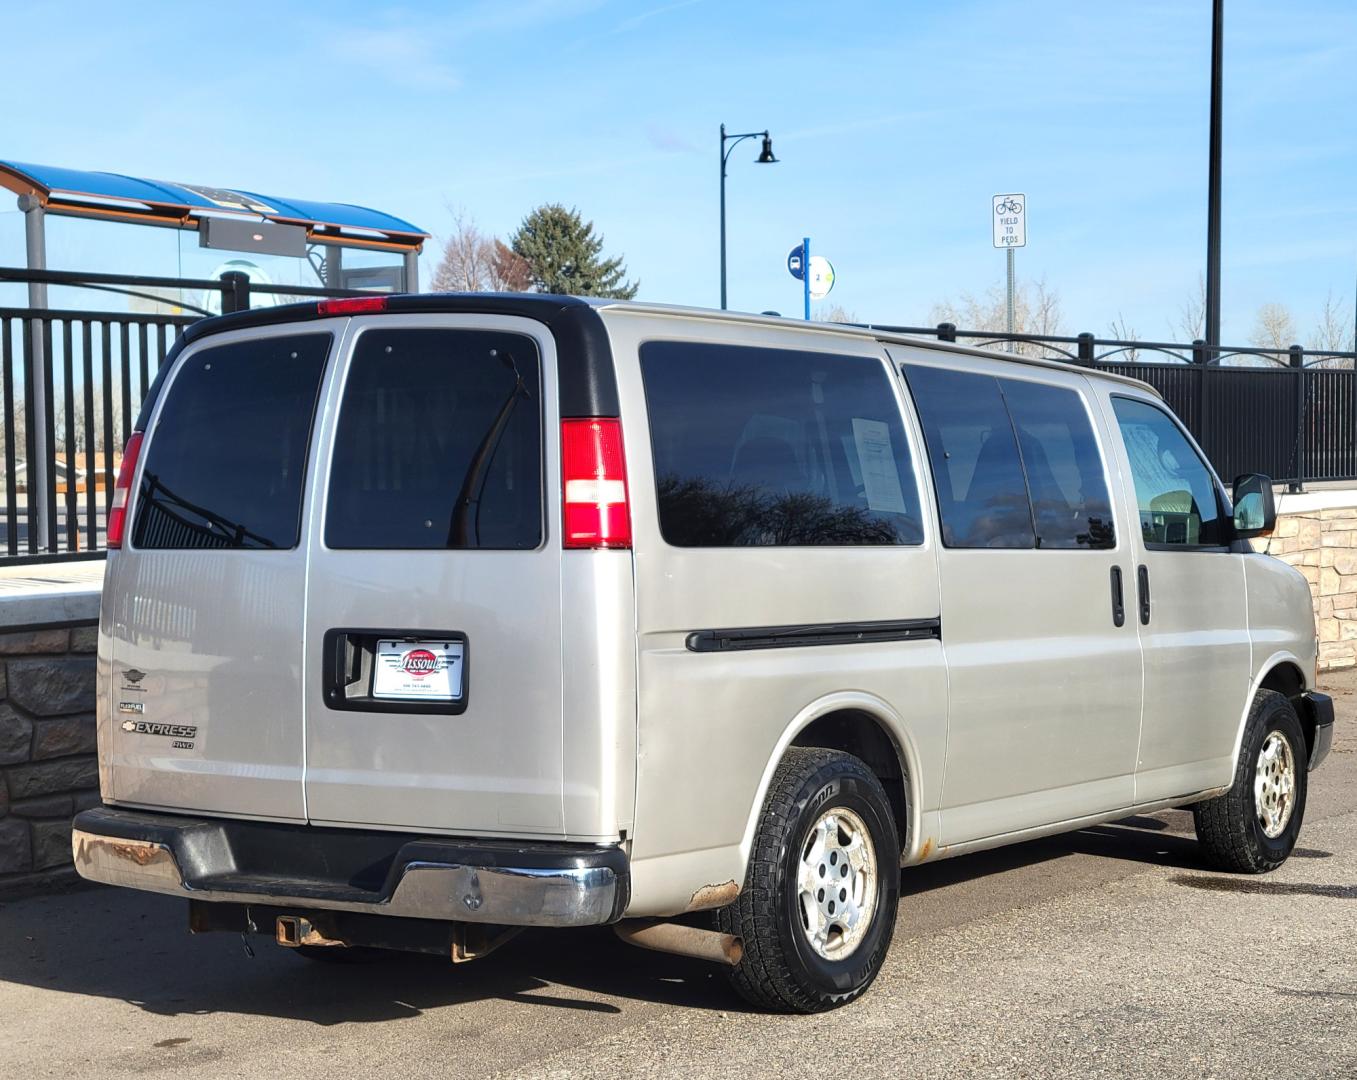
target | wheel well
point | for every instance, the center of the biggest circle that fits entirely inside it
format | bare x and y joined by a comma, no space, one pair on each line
1286,679
861,734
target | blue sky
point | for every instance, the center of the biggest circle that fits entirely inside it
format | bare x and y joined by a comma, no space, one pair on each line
894,122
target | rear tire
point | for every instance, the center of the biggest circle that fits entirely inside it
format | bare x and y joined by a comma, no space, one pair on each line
817,911
1252,828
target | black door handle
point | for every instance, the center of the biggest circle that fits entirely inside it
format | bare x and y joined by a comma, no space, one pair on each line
1118,605
1143,588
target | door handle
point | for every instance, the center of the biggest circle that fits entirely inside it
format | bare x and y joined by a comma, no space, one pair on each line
1118,604
1143,589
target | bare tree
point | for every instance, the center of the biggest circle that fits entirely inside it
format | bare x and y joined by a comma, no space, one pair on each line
1274,327
835,313
465,262
1190,322
475,262
1036,312
1119,330
509,271
1333,333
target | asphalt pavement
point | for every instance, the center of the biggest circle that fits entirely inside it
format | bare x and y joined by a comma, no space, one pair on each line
1110,952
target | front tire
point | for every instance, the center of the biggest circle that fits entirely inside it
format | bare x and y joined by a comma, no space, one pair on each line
817,911
1252,828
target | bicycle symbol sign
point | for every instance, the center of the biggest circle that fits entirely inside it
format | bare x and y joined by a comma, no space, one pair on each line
1010,220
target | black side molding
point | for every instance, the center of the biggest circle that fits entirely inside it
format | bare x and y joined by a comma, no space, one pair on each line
787,637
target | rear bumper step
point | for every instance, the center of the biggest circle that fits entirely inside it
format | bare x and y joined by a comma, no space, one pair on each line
221,860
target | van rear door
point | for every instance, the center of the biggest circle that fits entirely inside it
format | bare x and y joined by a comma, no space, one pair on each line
433,616
203,605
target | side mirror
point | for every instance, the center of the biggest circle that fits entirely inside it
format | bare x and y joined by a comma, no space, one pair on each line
1255,513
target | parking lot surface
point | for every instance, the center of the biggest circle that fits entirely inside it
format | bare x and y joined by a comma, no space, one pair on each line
1107,952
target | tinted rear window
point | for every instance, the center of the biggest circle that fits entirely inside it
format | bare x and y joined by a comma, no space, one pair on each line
1070,504
1015,463
774,447
439,443
977,471
227,459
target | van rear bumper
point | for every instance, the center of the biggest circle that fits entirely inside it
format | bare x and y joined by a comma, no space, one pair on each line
427,877
1320,709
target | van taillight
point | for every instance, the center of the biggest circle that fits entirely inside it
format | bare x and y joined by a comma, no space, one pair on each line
122,490
594,484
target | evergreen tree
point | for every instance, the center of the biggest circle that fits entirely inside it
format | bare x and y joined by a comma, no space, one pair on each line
565,256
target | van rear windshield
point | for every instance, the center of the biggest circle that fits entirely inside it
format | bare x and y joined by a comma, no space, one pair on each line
227,458
439,443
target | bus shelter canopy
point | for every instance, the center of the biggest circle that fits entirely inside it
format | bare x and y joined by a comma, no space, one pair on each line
107,195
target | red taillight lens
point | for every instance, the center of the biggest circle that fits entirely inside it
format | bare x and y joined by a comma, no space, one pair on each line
122,492
353,305
594,484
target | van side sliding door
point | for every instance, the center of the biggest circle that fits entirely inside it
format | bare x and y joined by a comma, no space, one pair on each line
1043,660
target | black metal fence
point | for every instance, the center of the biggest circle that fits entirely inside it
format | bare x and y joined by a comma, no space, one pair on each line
1289,413
71,384
72,381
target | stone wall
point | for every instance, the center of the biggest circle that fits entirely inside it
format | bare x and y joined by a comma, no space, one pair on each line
1317,534
48,770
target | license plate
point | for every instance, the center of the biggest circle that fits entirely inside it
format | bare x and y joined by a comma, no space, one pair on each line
418,670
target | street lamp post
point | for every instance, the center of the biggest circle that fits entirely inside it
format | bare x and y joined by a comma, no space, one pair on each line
765,158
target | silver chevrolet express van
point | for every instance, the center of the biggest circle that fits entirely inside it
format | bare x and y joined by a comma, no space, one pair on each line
429,618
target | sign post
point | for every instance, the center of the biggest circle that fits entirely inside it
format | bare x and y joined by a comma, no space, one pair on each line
815,273
805,275
1010,232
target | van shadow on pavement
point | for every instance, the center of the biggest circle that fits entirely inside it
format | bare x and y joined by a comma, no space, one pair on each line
136,947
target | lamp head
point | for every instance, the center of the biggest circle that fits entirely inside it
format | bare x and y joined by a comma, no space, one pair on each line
766,155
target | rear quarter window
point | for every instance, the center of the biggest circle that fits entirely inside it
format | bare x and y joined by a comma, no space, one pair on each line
758,447
226,461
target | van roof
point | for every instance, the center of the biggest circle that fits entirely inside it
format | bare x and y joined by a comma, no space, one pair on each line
858,330
563,314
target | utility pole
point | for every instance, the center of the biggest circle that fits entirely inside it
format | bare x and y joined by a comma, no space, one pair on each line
1213,187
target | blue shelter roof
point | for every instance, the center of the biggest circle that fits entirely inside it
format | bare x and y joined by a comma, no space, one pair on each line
160,202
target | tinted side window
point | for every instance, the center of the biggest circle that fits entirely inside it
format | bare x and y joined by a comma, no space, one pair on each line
227,458
770,447
977,472
439,443
1065,479
1175,492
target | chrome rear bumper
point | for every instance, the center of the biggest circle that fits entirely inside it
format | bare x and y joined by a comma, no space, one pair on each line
210,859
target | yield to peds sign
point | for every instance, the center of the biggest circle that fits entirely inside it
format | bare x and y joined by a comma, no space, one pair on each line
1010,221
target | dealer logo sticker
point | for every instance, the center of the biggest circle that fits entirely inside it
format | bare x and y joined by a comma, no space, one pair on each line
420,663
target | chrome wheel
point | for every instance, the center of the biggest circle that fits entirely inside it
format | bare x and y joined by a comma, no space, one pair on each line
1274,784
837,883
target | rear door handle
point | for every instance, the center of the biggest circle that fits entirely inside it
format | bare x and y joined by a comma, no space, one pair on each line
1118,603
1143,589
